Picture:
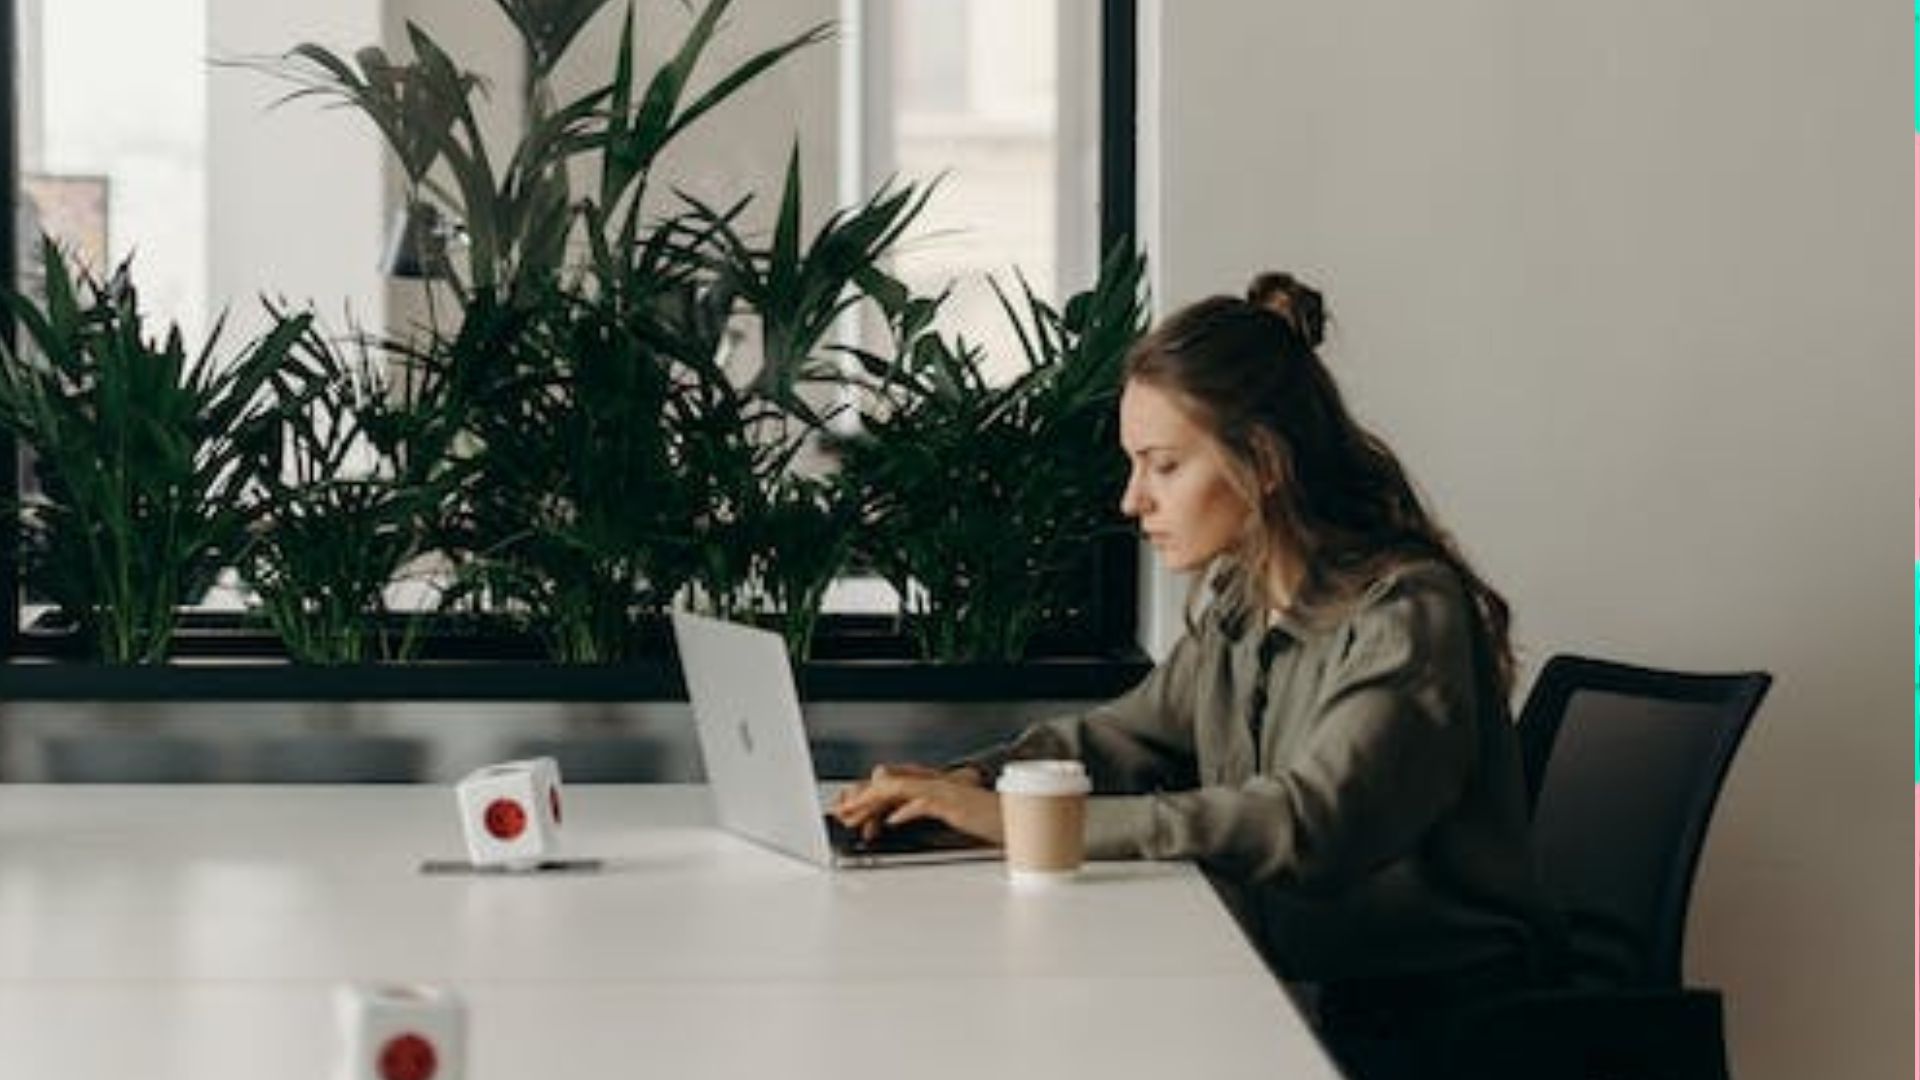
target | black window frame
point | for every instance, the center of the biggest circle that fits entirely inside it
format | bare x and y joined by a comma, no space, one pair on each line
1101,659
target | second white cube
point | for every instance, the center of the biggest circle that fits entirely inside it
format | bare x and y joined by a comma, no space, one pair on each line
394,1031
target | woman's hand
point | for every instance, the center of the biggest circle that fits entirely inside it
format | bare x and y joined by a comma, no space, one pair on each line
895,794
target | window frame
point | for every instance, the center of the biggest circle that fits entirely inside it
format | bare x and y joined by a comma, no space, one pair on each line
1106,659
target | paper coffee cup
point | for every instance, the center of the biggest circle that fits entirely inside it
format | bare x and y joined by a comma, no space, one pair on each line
1043,808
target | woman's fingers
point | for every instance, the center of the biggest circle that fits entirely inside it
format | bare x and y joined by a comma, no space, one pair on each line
857,808
849,799
879,793
962,806
867,804
886,801
880,797
912,810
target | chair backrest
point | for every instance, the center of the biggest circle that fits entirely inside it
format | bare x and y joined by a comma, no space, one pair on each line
1623,767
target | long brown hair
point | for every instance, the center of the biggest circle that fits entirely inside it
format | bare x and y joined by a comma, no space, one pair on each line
1333,502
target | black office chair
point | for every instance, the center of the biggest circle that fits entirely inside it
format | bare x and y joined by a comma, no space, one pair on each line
1623,767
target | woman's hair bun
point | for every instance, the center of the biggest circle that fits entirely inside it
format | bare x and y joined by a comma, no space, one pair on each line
1296,301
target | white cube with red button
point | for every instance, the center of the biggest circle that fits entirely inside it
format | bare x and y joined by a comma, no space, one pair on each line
401,1032
511,812
546,774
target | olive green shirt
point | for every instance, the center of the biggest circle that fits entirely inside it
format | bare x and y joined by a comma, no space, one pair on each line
1379,829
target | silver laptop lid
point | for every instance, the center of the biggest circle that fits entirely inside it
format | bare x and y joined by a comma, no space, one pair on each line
752,736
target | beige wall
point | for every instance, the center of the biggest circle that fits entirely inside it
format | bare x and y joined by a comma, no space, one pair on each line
1626,284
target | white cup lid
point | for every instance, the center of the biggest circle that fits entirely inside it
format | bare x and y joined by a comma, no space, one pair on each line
1044,778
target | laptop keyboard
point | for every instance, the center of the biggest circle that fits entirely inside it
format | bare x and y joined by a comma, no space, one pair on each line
925,834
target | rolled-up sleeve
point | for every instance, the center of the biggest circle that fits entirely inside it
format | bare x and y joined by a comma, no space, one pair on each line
1390,747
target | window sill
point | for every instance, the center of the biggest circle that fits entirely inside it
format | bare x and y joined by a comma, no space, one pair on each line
1062,679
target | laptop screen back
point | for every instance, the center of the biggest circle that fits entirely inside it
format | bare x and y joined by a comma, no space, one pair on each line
752,736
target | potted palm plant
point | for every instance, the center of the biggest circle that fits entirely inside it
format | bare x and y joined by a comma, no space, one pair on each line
331,533
577,446
606,457
571,504
141,453
785,533
984,500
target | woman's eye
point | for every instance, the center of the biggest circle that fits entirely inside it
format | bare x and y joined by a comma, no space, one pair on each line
1164,468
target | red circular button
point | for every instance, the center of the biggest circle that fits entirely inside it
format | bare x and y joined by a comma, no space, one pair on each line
408,1057
553,800
505,819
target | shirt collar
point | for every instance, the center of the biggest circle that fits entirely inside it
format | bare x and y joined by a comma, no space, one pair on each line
1237,614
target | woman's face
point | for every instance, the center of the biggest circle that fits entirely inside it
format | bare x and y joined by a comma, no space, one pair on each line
1177,483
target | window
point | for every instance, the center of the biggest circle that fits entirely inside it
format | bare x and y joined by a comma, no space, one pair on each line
220,197
994,101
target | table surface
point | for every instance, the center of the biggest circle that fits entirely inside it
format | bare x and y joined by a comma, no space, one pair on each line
200,932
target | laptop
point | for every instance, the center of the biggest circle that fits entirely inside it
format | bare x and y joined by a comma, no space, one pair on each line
754,744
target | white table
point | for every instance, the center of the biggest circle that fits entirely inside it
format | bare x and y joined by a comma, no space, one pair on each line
198,932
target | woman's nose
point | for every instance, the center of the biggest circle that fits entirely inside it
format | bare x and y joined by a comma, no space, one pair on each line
1130,499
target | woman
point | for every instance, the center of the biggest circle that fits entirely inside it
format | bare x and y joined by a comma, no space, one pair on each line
1330,739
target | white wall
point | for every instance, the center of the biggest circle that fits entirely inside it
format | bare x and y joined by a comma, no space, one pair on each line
738,149
1626,285
294,192
76,121
30,125
741,147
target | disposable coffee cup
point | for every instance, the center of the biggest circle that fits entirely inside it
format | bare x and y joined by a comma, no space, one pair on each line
1043,806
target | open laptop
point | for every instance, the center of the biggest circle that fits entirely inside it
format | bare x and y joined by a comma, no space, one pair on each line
754,743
